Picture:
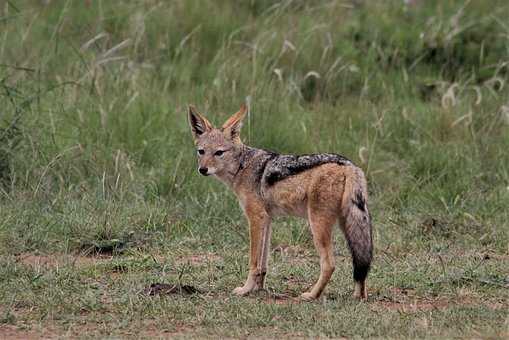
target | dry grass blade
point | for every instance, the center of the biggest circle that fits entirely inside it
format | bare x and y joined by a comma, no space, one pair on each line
92,41
115,49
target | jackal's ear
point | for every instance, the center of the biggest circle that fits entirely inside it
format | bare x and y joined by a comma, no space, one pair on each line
231,128
199,124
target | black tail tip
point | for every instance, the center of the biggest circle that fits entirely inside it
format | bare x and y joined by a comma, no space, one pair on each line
360,272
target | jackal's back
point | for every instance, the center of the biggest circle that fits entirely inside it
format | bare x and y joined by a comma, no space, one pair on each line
284,166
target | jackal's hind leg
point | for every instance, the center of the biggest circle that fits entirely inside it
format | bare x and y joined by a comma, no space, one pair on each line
321,227
360,292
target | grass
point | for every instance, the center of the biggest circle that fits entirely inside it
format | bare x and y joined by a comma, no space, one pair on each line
95,153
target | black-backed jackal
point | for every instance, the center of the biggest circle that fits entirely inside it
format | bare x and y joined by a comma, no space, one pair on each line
323,188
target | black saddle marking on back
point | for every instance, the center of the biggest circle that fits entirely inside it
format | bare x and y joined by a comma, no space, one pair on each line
284,166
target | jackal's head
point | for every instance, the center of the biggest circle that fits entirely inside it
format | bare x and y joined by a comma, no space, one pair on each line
218,149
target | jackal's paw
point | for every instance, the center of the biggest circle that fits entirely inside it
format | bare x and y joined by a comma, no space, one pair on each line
308,296
242,291
360,297
360,292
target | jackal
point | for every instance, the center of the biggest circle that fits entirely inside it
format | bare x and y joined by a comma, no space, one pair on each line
322,188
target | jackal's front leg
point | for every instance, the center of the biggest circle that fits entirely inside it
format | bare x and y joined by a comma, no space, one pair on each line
259,235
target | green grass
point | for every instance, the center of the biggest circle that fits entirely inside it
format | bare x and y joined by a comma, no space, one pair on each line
95,150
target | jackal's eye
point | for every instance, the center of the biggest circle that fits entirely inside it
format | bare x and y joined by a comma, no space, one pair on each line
201,152
218,153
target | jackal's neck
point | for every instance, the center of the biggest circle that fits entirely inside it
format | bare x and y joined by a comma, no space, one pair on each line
246,155
244,158
251,163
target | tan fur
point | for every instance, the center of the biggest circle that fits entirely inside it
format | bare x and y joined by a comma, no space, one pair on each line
322,195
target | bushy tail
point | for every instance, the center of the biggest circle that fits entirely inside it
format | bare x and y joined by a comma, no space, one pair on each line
357,224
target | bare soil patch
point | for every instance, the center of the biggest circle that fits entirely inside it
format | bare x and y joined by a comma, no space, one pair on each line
405,300
10,332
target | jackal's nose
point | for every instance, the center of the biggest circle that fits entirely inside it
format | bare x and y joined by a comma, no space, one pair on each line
203,171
